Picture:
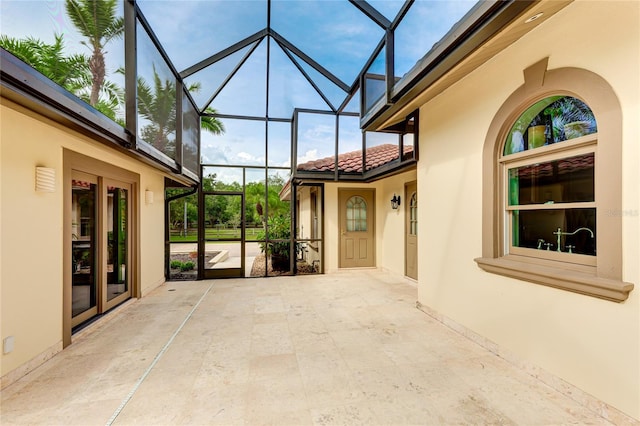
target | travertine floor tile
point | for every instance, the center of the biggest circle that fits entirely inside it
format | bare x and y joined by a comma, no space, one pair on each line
348,348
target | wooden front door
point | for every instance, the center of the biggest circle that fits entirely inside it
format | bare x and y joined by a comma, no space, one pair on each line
357,233
411,230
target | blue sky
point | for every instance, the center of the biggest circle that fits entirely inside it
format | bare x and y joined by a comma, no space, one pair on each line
332,32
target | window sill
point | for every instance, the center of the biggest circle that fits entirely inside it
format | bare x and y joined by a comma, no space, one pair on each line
565,279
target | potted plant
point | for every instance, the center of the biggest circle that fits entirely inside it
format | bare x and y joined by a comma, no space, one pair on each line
276,243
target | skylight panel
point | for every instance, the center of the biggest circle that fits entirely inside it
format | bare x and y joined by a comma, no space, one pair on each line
191,31
334,33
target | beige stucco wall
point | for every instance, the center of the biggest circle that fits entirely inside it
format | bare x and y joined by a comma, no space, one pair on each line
389,223
31,230
591,343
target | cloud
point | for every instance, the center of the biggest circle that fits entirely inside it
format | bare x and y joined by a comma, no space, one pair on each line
246,158
310,155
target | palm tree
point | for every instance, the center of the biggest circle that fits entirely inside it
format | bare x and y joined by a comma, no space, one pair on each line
208,122
157,104
70,72
97,21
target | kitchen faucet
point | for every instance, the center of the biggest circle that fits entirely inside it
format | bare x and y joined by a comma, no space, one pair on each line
559,233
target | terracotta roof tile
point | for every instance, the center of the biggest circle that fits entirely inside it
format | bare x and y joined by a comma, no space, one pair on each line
351,162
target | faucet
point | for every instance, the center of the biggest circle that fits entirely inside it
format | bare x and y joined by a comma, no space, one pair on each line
559,233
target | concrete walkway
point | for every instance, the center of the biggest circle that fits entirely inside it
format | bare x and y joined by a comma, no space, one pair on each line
341,349
232,257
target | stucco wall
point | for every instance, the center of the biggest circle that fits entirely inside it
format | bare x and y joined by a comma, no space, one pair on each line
31,229
389,223
590,343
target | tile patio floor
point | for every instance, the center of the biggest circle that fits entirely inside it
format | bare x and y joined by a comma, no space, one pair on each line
346,348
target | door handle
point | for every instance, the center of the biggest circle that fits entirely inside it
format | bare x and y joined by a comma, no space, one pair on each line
343,232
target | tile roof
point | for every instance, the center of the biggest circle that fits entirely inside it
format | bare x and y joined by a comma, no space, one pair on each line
351,162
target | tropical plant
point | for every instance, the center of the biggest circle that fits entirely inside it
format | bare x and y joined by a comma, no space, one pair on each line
96,20
69,72
157,104
276,241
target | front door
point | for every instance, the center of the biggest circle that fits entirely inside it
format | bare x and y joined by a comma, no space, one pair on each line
357,234
411,230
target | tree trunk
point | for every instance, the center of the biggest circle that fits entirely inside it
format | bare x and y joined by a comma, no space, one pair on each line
97,67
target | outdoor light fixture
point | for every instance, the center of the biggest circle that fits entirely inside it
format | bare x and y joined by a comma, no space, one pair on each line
148,197
45,179
395,202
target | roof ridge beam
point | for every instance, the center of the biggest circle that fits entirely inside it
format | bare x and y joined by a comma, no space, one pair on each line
224,53
306,76
372,13
322,70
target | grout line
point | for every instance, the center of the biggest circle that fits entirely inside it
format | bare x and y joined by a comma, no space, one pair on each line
159,355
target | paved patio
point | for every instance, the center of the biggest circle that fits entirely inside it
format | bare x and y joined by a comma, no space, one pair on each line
346,348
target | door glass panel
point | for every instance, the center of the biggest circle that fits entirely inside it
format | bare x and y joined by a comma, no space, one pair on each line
356,214
223,235
83,237
413,214
117,241
183,235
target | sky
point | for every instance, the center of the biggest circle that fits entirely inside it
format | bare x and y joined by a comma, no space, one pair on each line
334,33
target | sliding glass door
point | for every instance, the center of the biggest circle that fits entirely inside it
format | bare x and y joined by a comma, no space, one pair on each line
100,240
84,204
116,235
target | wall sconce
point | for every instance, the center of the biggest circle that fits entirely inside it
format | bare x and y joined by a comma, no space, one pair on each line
45,179
395,202
148,197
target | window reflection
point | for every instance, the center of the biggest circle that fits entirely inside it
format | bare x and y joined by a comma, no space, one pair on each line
49,37
375,85
551,120
567,180
83,237
190,133
117,241
156,97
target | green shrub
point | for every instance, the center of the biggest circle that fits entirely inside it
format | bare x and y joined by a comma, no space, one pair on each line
187,266
279,229
176,264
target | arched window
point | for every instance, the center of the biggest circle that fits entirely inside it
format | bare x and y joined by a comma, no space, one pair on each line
552,184
547,167
356,214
